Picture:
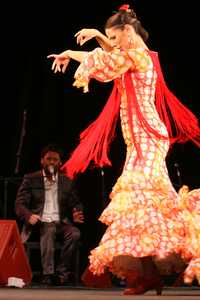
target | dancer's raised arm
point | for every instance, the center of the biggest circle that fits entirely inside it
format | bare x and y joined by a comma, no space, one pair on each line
86,34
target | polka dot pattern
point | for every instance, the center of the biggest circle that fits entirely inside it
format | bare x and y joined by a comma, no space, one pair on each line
145,215
142,217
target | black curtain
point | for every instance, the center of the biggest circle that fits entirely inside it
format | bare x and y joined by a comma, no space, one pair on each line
57,112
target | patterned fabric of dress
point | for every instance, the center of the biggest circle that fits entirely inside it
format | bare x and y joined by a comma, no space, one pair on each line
190,206
144,216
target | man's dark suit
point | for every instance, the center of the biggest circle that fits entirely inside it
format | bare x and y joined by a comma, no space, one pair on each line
30,200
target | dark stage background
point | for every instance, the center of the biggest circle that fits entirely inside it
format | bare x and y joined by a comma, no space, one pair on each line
57,112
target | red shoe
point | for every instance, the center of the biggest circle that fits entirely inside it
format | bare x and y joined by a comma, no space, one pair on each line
144,286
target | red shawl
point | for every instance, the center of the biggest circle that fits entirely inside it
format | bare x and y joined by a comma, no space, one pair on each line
95,140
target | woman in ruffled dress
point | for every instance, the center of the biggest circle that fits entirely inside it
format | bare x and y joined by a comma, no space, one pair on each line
147,232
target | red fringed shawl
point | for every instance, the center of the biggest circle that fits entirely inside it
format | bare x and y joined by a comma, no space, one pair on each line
95,140
181,123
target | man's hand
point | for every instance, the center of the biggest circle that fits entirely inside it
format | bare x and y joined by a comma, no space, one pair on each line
34,219
78,216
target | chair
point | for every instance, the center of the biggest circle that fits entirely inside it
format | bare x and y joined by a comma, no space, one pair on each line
35,245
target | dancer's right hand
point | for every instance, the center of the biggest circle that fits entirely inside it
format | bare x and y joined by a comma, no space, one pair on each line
60,62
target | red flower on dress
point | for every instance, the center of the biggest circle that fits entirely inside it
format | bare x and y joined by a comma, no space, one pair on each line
124,7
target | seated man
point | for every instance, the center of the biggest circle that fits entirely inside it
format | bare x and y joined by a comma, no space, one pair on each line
46,199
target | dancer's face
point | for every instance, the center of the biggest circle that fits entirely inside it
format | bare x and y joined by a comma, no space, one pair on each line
121,37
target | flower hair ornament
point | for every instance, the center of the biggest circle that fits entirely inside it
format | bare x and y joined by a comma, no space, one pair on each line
124,7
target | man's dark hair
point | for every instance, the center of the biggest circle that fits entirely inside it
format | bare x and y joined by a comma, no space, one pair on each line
53,148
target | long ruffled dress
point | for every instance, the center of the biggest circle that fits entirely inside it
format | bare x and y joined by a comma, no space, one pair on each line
145,215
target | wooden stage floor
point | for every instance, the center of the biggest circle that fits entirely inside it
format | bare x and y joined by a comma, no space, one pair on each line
81,293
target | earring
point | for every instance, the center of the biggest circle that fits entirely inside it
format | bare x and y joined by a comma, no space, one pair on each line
130,40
